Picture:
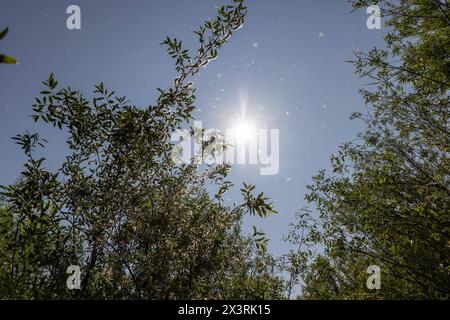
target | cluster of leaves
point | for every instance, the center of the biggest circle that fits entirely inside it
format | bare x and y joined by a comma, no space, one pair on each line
138,224
387,202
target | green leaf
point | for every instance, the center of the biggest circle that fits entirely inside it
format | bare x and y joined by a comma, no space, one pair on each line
3,33
7,59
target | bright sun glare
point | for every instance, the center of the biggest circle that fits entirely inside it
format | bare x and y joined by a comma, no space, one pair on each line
243,130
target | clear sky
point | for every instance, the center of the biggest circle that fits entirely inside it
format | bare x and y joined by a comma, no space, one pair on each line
288,62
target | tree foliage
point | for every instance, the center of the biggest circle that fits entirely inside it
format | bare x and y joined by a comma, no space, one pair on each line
387,200
138,224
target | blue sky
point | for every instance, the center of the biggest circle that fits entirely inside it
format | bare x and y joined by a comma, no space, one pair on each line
288,61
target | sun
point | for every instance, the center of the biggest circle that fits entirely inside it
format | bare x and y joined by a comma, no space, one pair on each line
243,130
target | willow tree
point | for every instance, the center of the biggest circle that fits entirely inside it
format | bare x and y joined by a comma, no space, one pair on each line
387,200
138,224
